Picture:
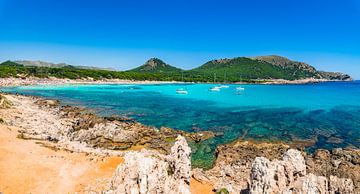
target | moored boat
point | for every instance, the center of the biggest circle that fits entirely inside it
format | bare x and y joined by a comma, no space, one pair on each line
181,91
215,89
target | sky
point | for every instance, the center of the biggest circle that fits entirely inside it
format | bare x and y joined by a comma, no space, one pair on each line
123,34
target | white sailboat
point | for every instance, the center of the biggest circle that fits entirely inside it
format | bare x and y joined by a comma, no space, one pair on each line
224,86
240,88
181,91
215,88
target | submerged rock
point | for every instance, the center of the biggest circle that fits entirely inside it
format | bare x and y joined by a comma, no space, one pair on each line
150,172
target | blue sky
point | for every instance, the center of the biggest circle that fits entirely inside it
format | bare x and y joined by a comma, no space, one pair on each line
186,33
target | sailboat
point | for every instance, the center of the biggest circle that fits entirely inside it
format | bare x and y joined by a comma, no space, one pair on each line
240,88
215,88
224,86
182,90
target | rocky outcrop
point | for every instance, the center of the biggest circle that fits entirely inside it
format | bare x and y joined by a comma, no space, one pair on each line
150,172
79,129
274,168
276,176
303,68
4,103
341,185
232,167
242,166
289,176
337,162
335,76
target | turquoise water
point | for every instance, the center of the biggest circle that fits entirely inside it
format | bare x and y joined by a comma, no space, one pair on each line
327,113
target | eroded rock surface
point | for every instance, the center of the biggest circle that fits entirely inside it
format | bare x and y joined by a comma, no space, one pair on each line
77,129
232,167
338,162
289,176
245,167
150,172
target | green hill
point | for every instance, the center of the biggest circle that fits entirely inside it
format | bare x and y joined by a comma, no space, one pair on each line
247,68
224,70
155,65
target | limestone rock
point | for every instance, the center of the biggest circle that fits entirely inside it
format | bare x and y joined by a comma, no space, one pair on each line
296,162
150,172
309,184
4,102
179,159
341,185
289,176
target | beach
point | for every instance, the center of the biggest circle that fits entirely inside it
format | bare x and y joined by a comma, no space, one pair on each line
8,82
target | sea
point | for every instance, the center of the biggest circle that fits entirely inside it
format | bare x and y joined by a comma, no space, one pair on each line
324,115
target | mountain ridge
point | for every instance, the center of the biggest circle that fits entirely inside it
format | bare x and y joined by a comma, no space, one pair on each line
39,63
238,69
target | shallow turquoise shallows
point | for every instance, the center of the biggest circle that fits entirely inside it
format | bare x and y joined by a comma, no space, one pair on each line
327,113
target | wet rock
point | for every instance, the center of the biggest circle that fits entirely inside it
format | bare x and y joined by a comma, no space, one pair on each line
201,136
47,103
119,118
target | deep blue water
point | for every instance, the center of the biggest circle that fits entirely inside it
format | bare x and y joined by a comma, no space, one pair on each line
327,113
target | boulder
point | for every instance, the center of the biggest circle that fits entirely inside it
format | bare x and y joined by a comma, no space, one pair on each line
151,172
289,176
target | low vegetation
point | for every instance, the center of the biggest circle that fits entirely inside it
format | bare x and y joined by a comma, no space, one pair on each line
223,70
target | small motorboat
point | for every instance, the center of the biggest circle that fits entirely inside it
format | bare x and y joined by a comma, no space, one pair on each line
240,88
215,89
181,91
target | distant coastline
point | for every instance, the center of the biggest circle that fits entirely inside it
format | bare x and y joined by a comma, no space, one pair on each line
259,70
12,82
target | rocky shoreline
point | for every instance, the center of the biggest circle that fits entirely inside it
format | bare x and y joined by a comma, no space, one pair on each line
241,166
